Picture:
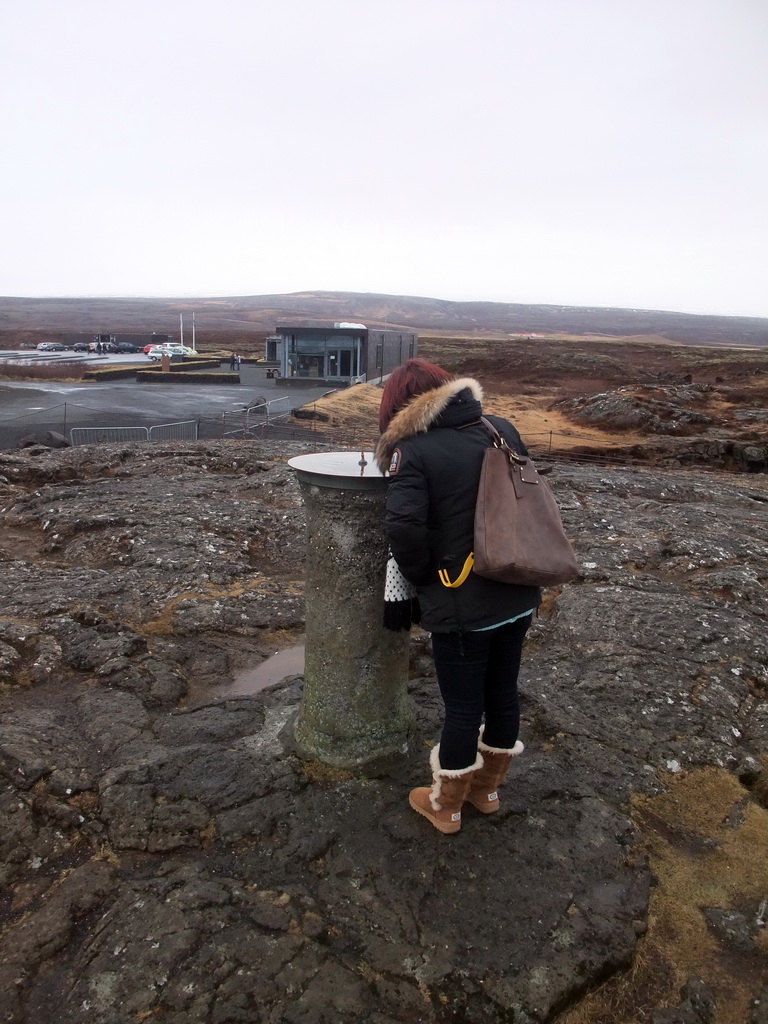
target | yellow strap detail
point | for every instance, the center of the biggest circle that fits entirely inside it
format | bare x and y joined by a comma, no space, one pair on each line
445,579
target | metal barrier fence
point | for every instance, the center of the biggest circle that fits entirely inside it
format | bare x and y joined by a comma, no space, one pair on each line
251,421
184,430
105,435
187,430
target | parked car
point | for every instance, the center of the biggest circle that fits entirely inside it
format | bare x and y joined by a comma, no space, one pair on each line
80,346
158,351
50,346
156,344
125,346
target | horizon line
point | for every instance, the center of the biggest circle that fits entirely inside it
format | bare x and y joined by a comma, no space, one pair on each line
183,297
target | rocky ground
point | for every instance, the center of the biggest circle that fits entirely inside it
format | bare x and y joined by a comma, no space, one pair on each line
165,856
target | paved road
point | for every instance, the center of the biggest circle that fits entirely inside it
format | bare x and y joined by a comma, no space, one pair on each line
34,408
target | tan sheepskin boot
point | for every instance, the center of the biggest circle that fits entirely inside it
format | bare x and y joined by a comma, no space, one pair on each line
483,793
441,802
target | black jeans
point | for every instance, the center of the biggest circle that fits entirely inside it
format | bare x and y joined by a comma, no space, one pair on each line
477,674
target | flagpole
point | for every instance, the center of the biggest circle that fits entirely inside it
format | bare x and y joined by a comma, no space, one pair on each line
181,327
194,347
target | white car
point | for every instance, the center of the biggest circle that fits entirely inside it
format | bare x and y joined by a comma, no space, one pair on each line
157,352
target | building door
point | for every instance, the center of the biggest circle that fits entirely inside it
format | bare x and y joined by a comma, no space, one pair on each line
340,362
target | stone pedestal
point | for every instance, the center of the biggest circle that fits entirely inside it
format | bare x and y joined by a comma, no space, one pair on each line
354,710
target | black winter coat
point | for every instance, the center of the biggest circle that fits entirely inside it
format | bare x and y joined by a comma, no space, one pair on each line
433,450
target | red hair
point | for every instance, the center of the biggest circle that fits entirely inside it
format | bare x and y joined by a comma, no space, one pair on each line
412,378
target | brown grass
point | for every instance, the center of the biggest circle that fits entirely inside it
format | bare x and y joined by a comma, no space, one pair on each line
707,845
324,774
354,412
163,623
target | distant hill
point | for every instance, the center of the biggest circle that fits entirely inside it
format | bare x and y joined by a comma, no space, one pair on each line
261,313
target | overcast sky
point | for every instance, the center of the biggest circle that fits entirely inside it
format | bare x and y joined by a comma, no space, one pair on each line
578,152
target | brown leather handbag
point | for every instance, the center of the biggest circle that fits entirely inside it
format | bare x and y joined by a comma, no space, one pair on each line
519,536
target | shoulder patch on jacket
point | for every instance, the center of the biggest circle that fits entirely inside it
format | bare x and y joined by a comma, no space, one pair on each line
394,463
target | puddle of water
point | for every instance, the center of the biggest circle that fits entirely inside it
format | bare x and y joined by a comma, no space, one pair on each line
288,662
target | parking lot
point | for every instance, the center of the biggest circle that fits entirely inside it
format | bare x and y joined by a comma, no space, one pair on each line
68,355
32,408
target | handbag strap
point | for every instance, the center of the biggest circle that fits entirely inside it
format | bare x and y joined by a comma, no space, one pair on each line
499,441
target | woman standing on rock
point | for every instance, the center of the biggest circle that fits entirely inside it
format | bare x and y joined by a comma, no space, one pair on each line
432,447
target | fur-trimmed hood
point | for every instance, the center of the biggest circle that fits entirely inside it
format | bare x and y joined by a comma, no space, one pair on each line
420,414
